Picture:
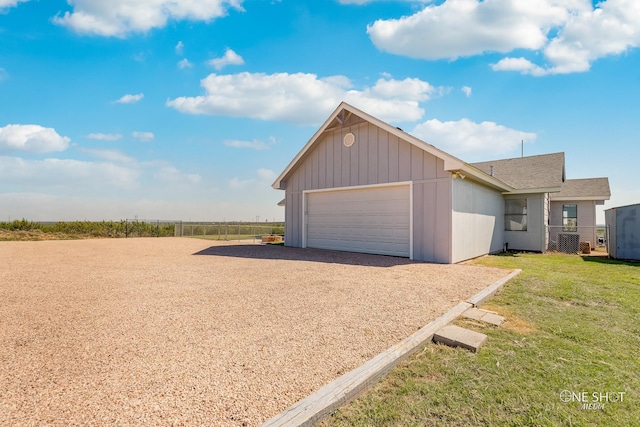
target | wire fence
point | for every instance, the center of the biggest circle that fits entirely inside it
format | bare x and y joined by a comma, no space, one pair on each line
228,230
235,230
577,239
149,228
137,227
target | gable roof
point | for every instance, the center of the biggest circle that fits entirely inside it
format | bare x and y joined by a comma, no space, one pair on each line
584,189
541,173
346,114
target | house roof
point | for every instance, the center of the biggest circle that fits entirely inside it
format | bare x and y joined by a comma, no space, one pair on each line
543,173
346,115
584,189
634,205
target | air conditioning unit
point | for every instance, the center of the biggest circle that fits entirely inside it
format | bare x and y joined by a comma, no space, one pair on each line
568,243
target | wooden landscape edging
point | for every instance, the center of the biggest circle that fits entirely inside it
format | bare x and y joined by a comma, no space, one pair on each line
479,298
310,410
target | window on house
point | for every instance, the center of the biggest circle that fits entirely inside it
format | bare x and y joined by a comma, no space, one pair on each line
515,214
569,217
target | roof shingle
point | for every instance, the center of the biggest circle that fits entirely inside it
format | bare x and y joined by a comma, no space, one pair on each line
595,188
524,173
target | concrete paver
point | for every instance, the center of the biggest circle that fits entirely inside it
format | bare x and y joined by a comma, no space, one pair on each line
455,336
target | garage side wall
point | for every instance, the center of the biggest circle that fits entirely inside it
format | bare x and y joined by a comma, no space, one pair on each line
377,157
478,220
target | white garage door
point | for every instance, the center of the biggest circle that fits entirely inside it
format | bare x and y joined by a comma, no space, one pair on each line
372,220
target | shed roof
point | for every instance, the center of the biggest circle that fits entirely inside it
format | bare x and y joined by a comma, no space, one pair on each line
584,189
634,206
543,172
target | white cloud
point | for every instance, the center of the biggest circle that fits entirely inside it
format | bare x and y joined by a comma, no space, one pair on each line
464,138
303,98
130,99
570,34
3,74
240,184
255,144
179,48
458,28
65,172
114,156
105,136
362,2
143,136
229,58
10,3
263,178
184,63
31,139
610,29
266,175
121,17
522,65
466,90
171,175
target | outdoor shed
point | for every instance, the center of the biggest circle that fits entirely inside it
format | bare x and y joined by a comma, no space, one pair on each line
624,232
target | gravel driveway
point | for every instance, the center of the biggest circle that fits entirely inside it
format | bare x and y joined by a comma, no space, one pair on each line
178,331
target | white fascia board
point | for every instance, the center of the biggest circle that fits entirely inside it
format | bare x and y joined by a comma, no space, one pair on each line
533,191
277,184
359,187
450,162
578,198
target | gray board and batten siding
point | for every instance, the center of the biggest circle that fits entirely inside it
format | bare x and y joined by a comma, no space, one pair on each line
337,194
377,157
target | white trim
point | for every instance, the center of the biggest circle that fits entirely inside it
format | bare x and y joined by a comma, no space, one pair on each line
411,220
360,187
304,219
450,162
579,198
532,191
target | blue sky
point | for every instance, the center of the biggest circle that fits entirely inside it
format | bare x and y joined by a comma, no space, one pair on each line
166,109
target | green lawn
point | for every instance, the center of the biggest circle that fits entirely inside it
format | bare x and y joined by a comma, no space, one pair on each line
573,324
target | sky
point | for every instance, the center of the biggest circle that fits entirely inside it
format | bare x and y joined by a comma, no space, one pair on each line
189,109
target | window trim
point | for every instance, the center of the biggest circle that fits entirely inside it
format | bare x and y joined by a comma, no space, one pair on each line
524,204
566,226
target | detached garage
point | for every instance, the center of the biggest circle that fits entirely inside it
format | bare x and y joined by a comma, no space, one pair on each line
371,219
362,185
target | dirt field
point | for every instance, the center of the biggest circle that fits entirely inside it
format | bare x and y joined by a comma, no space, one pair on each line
175,331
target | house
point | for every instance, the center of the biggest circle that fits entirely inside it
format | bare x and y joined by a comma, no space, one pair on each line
573,210
624,232
362,185
561,212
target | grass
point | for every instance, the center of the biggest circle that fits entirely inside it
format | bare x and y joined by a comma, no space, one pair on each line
572,324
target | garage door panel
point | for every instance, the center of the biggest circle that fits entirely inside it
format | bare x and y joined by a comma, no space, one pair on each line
374,220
